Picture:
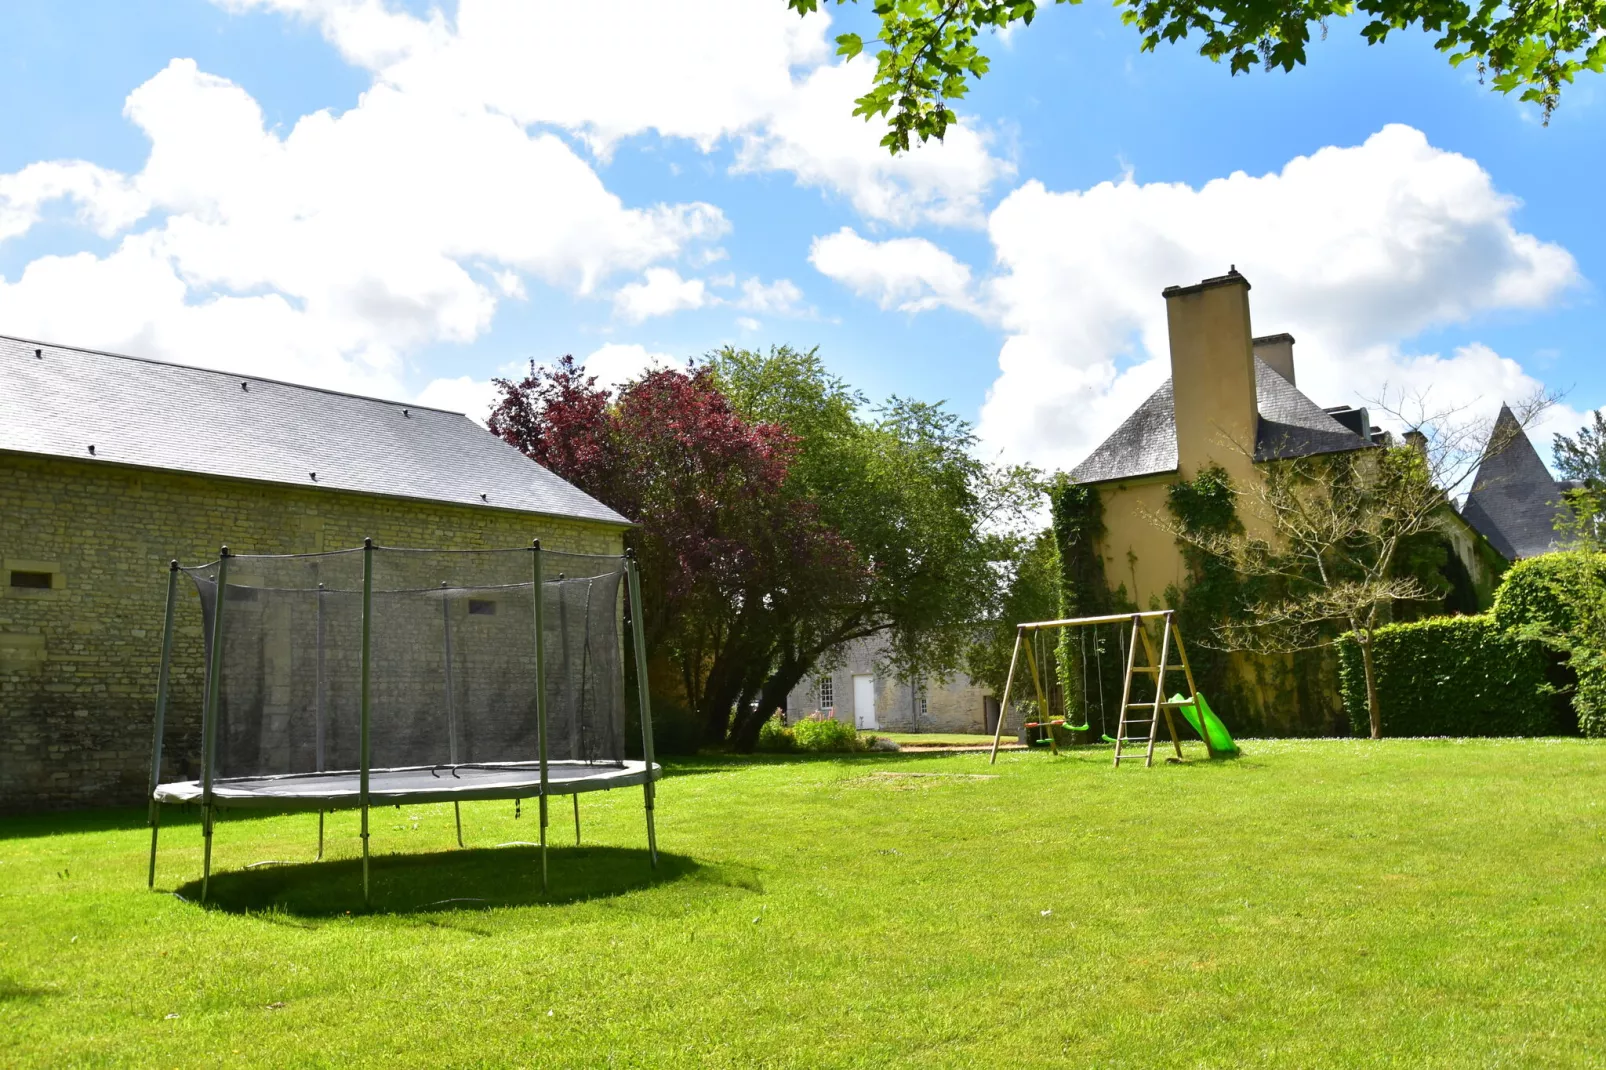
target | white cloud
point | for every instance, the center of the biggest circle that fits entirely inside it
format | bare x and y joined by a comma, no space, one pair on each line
327,254
662,291
107,201
473,398
749,324
753,72
813,135
909,274
616,364
780,297
1353,250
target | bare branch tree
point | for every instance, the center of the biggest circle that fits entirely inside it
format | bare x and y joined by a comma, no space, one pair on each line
1334,525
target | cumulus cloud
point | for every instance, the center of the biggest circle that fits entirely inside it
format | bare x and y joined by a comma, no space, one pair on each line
616,364
1353,250
781,297
909,274
752,73
473,398
328,253
661,292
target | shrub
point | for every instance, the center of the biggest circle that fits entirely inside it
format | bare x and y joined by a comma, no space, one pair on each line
675,729
1451,676
1560,595
826,734
775,738
1560,598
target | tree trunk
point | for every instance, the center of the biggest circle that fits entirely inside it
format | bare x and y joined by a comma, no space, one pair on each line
1374,712
744,733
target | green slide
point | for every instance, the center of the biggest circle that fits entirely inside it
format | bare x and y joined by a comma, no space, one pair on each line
1213,730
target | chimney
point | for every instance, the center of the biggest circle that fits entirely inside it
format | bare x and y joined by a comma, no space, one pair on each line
1277,350
1212,373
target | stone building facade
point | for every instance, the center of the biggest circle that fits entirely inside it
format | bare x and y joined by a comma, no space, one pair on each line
85,543
854,687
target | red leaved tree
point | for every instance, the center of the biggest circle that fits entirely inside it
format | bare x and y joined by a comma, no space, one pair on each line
725,545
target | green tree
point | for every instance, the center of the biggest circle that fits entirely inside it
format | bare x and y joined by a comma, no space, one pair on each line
900,484
1582,458
929,55
1028,590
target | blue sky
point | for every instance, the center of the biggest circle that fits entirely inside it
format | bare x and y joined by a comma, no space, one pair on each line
407,200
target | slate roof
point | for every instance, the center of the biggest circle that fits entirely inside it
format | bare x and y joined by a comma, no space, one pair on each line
169,416
1514,500
1291,425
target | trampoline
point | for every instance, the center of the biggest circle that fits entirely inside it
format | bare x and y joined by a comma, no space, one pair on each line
381,676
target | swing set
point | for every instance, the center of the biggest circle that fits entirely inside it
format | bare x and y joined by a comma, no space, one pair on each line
1133,728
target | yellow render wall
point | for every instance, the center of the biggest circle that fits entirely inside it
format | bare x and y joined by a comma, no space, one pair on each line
78,661
1139,555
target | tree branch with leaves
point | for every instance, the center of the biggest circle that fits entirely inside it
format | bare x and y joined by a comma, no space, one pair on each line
928,54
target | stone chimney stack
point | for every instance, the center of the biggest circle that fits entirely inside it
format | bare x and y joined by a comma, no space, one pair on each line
1277,350
1213,373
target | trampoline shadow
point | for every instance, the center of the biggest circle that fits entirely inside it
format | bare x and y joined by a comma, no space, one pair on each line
472,879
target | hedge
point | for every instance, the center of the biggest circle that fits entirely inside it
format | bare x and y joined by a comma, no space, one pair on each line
1561,598
1451,676
1562,594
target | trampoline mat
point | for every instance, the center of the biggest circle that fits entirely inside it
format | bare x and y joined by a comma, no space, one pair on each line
323,791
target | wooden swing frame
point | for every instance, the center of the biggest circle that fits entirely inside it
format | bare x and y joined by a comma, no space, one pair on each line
1157,665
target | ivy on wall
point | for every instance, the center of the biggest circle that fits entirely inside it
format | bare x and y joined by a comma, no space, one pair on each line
1214,592
1078,515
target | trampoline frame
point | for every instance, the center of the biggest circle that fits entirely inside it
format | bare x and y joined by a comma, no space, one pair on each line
628,773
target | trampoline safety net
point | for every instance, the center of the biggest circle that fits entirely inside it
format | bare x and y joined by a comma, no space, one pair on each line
452,659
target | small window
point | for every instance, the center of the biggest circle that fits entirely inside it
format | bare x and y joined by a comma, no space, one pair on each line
922,703
31,581
481,607
827,694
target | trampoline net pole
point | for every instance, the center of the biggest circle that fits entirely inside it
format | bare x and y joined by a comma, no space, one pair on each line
643,697
362,709
161,712
209,716
317,692
538,596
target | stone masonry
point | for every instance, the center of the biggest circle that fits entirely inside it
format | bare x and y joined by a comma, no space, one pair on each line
79,658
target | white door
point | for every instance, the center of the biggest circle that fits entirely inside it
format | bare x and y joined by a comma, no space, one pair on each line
864,701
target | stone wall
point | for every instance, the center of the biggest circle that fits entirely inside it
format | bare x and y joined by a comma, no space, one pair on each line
78,659
955,705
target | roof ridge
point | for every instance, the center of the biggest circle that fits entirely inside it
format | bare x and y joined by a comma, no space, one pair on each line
229,375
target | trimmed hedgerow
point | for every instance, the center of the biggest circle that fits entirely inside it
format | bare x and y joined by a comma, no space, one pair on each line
1560,599
1562,594
1451,676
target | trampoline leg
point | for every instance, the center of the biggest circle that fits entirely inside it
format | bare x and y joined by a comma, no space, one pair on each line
652,833
576,798
457,812
206,850
543,845
320,837
365,856
156,821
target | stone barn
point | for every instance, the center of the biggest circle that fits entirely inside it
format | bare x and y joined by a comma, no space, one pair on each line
111,466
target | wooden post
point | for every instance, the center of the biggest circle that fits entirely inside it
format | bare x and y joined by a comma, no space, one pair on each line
1003,703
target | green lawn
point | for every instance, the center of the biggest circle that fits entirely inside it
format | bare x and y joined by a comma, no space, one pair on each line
1313,904
934,739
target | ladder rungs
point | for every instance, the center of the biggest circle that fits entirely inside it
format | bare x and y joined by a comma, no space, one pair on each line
1151,670
1150,705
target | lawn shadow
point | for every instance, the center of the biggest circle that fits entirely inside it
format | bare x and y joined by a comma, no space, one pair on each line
472,879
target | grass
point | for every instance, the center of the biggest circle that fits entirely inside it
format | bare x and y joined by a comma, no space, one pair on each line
935,739
1314,903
